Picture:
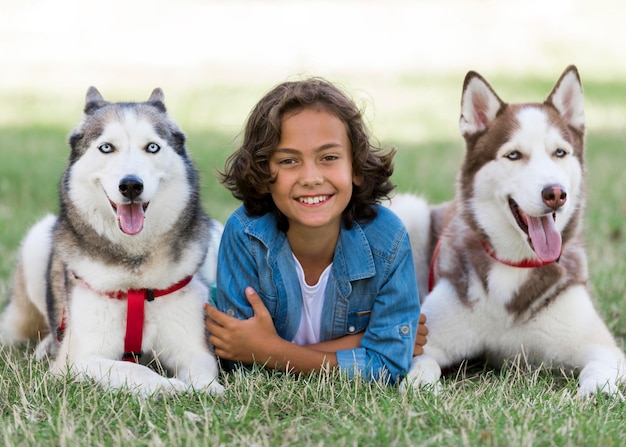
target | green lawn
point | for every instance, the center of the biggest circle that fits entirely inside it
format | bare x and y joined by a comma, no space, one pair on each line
513,406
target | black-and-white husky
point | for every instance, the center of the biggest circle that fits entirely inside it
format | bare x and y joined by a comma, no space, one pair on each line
124,269
506,256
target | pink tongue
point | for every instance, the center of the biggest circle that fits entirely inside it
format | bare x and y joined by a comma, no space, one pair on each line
545,237
131,217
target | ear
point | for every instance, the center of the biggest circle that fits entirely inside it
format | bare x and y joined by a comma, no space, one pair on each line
75,138
479,105
93,100
157,99
567,97
178,140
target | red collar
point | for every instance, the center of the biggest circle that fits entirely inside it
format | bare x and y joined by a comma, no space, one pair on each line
134,315
524,263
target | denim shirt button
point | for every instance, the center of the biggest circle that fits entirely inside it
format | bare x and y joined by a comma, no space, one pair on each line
351,329
404,330
230,312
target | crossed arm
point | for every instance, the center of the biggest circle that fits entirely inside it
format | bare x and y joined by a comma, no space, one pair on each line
255,340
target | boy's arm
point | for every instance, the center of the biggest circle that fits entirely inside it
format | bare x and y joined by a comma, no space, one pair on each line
338,344
354,341
255,340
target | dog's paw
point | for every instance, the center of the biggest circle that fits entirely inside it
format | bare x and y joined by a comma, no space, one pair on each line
208,384
157,388
214,388
596,377
412,386
424,372
589,388
608,389
46,348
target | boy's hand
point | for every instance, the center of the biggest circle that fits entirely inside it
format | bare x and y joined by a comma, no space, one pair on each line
420,338
242,340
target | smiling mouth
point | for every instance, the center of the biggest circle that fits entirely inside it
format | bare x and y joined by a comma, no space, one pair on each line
313,200
130,216
543,234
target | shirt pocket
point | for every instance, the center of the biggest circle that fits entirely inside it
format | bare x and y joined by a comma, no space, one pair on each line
269,295
358,321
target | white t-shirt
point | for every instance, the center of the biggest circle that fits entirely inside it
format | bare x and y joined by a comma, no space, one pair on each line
312,304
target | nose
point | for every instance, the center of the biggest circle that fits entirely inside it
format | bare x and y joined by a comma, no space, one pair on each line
554,196
311,175
131,187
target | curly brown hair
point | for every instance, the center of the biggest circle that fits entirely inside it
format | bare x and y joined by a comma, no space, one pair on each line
247,174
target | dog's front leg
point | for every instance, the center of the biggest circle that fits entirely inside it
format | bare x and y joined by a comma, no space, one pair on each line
178,337
201,373
118,374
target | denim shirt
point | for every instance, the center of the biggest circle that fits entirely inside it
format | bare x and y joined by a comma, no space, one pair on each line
371,288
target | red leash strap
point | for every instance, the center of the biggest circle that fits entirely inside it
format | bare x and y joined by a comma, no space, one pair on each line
134,325
134,314
134,317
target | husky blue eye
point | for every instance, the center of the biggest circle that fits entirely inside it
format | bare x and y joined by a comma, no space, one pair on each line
153,148
514,155
105,148
560,153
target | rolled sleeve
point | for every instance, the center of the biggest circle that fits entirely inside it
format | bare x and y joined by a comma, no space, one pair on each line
388,341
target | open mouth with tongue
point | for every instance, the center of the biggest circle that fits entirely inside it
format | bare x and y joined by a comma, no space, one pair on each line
130,216
545,238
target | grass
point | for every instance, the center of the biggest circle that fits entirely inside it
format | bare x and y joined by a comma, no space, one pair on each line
514,406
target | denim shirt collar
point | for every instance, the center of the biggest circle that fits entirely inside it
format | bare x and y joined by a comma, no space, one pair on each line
353,258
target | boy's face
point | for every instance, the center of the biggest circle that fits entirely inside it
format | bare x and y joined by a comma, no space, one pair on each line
312,168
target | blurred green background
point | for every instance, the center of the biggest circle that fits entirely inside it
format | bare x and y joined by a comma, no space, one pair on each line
402,61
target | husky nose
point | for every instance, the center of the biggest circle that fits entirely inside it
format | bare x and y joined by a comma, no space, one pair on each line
131,187
554,196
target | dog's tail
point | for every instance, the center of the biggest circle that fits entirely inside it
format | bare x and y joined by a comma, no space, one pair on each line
24,317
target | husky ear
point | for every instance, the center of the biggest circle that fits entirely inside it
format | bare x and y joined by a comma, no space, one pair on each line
479,105
93,100
567,97
157,99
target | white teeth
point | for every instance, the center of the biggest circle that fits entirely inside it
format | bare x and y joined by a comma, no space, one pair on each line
312,200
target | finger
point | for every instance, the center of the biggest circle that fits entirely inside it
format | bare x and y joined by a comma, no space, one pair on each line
212,326
422,330
210,310
219,317
207,312
418,347
214,329
422,319
258,307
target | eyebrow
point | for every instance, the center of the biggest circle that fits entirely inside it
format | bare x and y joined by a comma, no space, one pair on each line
322,148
